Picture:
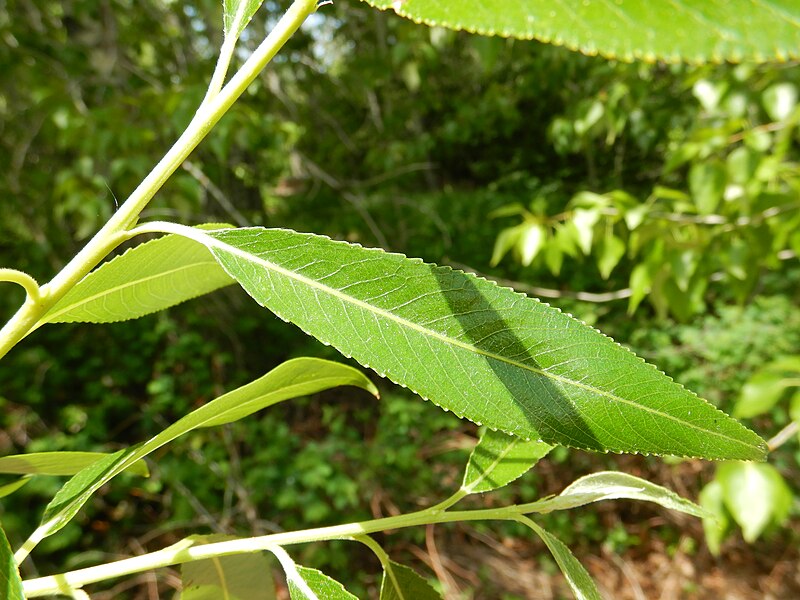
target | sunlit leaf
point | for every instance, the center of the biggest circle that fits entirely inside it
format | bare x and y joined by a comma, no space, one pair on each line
246,576
530,243
694,30
147,278
579,580
613,485
59,463
755,494
481,351
498,459
401,583
10,582
236,14
297,377
310,584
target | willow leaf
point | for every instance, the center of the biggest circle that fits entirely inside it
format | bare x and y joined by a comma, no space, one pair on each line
402,583
498,459
10,582
579,580
693,30
296,377
484,352
58,463
613,485
246,576
310,584
145,279
236,15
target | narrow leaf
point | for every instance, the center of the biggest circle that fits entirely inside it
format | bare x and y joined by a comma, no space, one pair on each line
234,577
612,485
297,377
10,488
481,351
310,584
579,580
627,29
498,459
10,582
59,463
147,278
236,14
402,583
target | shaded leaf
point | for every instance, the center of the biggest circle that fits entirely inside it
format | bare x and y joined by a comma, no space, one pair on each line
297,377
10,582
755,494
484,352
611,251
402,583
613,485
579,580
147,278
627,29
246,576
59,463
310,584
498,459
10,488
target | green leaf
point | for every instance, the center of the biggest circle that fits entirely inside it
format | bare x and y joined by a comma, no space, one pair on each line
579,580
530,243
297,377
582,223
506,240
236,14
640,286
627,29
481,351
780,100
715,526
234,577
761,392
612,485
310,584
755,494
10,582
145,279
402,583
59,463
707,184
612,250
10,488
498,459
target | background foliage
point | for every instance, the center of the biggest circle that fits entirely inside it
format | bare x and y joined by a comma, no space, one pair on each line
609,177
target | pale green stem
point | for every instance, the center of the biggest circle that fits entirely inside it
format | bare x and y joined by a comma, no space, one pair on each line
184,551
447,503
26,281
114,231
375,547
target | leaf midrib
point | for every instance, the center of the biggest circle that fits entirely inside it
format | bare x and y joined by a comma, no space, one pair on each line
220,245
